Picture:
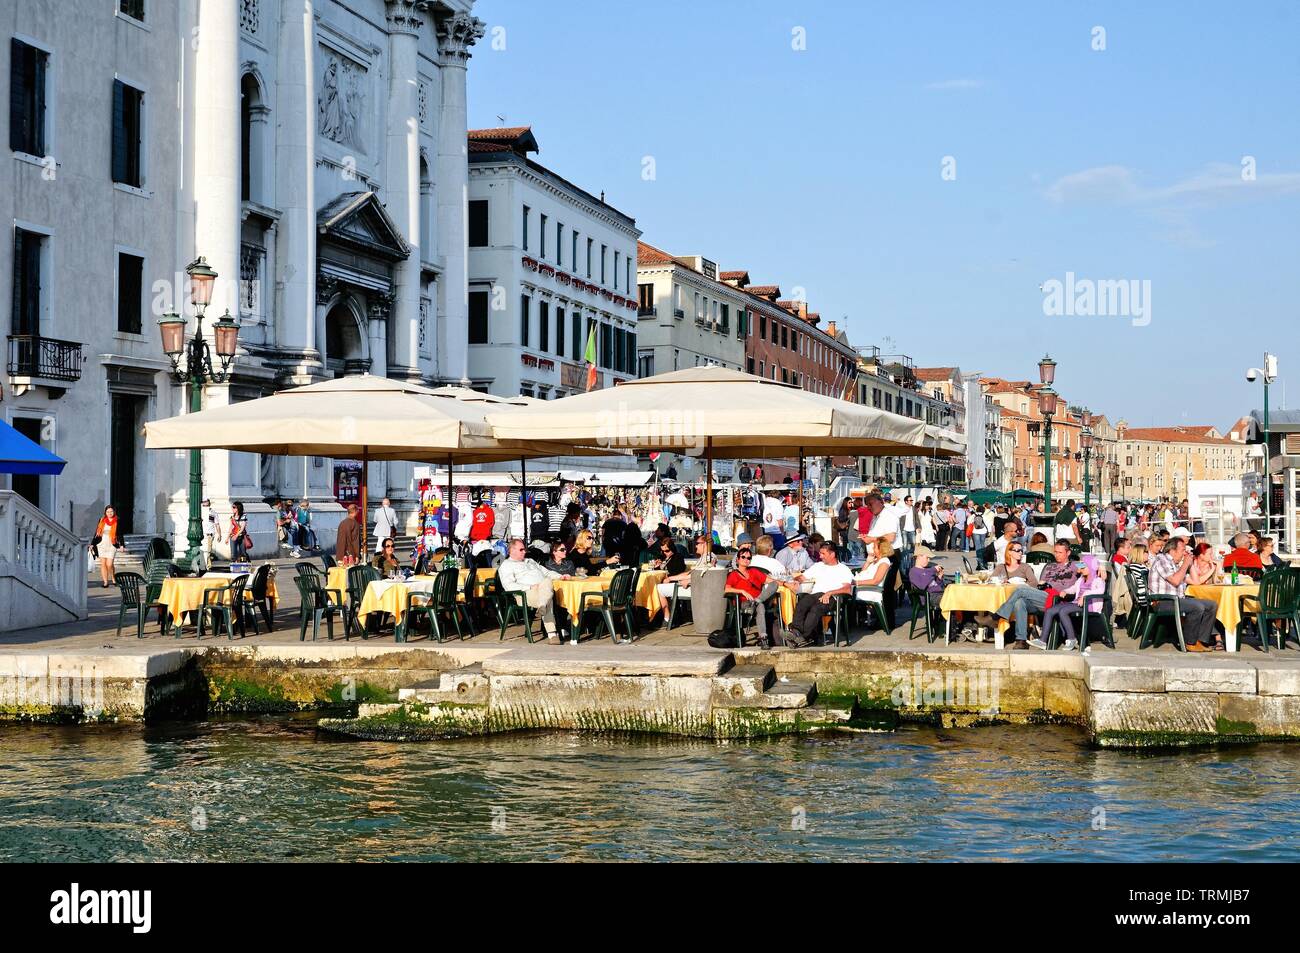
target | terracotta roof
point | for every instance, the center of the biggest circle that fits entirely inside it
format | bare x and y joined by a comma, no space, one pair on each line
1008,412
1172,435
647,254
935,373
764,291
734,276
518,139
499,133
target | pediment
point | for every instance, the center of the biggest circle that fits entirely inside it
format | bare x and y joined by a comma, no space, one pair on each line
360,221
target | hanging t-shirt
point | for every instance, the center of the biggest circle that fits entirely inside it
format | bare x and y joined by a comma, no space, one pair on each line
484,520
539,521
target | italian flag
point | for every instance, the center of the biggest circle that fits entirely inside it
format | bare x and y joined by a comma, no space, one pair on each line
590,358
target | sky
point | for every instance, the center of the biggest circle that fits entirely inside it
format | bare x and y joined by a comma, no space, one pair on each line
930,173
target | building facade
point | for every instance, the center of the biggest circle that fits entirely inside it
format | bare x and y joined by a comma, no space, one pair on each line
312,151
1159,462
891,382
549,263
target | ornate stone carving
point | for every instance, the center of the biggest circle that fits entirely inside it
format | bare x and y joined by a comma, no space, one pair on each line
456,34
250,16
379,304
327,287
404,16
341,106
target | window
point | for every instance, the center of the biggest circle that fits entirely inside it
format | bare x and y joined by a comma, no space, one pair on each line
603,252
699,315
541,251
523,320
543,324
645,295
559,243
128,119
762,326
794,340
762,368
785,337
775,328
130,282
478,224
27,69
749,365
132,8
559,332
26,317
589,247
785,376
525,228
478,317
627,264
617,256
577,335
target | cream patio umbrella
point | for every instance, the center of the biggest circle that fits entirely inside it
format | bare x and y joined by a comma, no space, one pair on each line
366,417
707,409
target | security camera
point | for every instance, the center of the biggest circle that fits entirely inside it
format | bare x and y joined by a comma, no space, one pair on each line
1251,374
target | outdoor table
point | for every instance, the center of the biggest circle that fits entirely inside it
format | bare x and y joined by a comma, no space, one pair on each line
389,595
975,597
481,578
337,580
1225,597
182,594
568,592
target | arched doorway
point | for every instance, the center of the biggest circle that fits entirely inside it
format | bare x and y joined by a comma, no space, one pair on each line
345,342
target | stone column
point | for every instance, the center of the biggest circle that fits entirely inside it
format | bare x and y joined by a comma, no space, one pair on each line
456,34
216,151
295,178
402,177
378,308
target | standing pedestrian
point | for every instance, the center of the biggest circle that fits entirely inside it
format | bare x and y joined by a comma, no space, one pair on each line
238,534
105,545
385,523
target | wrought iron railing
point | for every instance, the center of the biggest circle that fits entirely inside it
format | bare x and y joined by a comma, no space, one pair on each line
31,355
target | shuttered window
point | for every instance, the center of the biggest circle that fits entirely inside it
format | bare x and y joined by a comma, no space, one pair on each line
27,98
128,105
130,279
478,317
27,283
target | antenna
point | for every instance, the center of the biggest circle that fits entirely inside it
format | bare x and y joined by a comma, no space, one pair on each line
501,119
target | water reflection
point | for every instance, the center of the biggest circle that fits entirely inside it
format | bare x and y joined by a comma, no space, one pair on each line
272,789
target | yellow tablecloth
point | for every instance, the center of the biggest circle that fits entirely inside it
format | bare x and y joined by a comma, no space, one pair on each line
568,592
788,598
389,595
181,594
1229,611
968,597
481,578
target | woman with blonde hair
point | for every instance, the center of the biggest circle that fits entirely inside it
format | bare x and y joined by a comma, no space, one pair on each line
580,552
875,572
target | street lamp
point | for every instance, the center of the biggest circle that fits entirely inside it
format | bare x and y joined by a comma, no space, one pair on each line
198,370
1085,441
1269,373
1047,399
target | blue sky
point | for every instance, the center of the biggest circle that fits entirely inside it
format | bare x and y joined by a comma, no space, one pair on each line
823,168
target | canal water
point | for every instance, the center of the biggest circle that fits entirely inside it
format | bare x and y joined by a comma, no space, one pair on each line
275,789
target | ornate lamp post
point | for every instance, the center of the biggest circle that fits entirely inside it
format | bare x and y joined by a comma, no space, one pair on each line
196,371
1085,441
1269,373
1034,428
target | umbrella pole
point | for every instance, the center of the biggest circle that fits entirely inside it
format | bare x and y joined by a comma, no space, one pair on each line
523,490
365,486
799,527
708,492
451,509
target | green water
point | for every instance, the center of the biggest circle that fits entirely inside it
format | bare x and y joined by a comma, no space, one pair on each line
274,789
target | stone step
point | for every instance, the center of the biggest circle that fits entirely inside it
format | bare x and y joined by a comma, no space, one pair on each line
588,660
465,685
793,693
796,693
744,681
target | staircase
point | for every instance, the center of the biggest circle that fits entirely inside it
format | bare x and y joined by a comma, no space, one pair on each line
42,568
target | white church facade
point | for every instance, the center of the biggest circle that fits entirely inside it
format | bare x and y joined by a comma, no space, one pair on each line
313,151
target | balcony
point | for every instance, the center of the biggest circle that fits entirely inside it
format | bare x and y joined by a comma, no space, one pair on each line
35,361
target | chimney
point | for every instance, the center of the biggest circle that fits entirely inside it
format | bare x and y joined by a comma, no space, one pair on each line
830,328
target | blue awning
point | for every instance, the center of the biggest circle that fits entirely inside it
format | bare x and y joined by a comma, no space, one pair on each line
20,455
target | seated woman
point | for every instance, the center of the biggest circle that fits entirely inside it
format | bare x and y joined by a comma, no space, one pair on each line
582,554
1040,544
385,560
1205,570
559,560
874,572
1270,559
1091,582
1013,566
750,583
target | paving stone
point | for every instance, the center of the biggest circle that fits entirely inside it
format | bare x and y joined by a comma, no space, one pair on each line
625,660
1106,676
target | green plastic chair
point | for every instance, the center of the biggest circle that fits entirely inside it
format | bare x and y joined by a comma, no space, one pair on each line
359,577
434,606
1276,602
132,587
618,599
1084,610
230,615
511,607
739,612
922,607
1039,558
316,604
1135,578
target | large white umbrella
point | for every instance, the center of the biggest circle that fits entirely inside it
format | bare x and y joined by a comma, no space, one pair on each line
366,417
707,409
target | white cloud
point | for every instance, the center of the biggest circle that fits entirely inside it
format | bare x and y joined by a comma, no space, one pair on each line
1117,184
956,84
1103,183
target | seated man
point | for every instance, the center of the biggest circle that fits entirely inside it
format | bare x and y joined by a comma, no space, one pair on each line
537,582
829,578
929,578
794,557
1059,575
1241,555
1168,577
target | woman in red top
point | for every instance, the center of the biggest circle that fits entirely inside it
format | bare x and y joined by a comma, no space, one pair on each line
106,545
750,585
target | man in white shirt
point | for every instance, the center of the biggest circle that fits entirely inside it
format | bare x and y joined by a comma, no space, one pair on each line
385,524
519,574
884,522
794,557
829,578
764,560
